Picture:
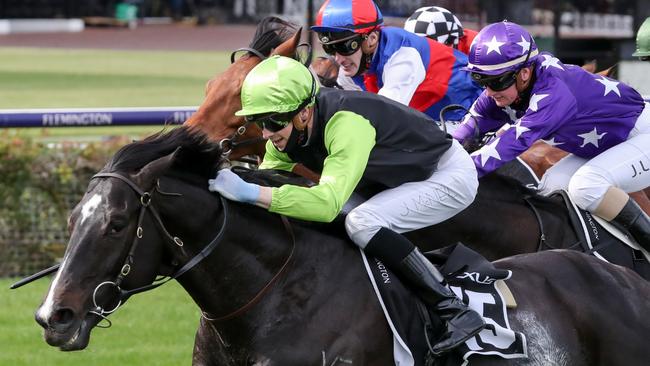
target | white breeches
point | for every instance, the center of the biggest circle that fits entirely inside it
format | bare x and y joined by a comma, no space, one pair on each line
415,205
625,166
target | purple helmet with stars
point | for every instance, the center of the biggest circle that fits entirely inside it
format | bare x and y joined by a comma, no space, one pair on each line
501,47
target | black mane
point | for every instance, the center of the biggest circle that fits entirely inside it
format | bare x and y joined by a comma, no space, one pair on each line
270,33
197,155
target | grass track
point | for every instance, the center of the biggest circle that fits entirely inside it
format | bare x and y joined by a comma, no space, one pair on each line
153,328
59,78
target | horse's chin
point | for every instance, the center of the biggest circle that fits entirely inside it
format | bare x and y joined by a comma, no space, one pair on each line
76,338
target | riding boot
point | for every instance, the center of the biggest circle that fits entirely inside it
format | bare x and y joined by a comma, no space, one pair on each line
462,322
637,222
405,259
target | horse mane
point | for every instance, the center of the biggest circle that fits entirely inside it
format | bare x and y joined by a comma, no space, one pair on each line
272,32
197,154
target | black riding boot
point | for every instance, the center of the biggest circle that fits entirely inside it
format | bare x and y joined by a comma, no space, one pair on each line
634,220
406,260
462,322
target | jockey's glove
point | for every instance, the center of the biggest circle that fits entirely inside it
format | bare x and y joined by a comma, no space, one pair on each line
232,187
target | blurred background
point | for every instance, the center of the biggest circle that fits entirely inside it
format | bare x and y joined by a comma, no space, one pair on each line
80,78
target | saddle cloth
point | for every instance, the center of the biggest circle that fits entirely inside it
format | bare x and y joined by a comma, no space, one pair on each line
474,280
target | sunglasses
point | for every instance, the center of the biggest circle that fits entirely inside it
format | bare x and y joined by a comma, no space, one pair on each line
274,122
344,47
498,82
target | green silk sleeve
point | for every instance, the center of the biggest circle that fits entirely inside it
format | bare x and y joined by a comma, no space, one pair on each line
349,138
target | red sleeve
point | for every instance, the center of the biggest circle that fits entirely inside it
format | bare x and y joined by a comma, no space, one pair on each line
466,40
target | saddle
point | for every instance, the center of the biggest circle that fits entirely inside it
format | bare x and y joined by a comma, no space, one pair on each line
473,279
604,240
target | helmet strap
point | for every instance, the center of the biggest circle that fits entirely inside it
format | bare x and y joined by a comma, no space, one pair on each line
297,138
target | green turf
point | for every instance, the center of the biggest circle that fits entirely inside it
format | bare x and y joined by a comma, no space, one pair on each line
59,78
153,328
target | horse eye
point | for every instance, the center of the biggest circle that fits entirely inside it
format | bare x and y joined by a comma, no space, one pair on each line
116,227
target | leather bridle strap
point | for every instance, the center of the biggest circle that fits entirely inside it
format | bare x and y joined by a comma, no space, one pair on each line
267,287
247,49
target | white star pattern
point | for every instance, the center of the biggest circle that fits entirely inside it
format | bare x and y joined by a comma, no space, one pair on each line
524,44
494,46
534,100
591,137
552,142
488,151
551,62
511,113
610,85
519,129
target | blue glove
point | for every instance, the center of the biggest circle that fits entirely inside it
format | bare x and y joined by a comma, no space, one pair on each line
231,186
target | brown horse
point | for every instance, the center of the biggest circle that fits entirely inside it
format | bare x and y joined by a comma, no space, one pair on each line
216,115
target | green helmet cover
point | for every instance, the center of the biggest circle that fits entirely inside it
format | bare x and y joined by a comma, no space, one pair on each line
277,85
643,40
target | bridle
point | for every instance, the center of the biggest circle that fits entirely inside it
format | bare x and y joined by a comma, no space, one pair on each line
228,144
146,205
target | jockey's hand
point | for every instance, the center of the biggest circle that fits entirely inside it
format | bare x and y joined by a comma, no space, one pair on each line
232,187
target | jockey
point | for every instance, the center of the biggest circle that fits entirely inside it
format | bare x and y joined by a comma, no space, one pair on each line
390,61
442,26
643,41
603,124
357,141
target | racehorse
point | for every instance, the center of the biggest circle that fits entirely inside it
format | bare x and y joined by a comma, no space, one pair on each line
291,292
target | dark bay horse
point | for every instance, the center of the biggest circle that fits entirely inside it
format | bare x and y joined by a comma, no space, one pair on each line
295,293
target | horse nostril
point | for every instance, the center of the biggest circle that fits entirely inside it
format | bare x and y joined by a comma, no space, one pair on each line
61,317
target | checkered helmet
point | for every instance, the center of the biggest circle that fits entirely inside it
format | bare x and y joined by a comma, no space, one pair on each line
436,23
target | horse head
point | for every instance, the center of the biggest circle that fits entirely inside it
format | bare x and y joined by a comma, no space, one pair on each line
120,238
216,115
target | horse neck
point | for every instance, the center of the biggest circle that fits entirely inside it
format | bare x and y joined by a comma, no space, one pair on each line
255,247
303,288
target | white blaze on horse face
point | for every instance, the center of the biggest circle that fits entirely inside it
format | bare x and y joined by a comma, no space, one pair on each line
45,311
89,207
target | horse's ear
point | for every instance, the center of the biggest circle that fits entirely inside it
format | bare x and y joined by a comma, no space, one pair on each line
288,47
147,176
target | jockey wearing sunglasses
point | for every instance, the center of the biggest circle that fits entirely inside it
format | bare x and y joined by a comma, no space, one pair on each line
603,124
415,71
357,142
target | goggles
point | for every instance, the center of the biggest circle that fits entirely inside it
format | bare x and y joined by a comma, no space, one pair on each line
344,46
274,122
498,82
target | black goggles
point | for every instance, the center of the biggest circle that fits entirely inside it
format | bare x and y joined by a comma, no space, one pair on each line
498,82
344,46
274,122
